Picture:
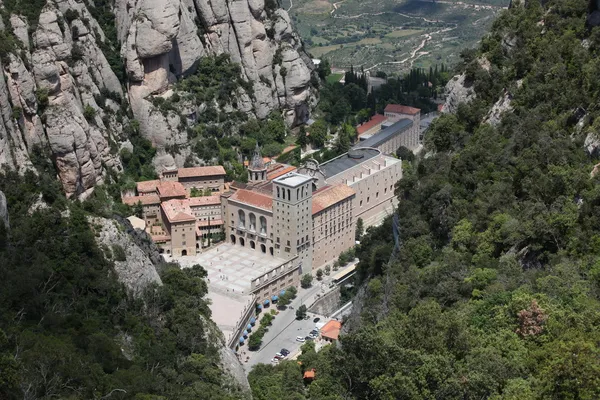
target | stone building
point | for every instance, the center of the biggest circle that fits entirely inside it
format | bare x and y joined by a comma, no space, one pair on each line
200,178
399,126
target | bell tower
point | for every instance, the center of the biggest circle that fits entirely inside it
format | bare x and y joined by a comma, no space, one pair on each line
257,171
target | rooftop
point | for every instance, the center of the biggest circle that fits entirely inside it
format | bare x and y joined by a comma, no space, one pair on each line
177,210
354,157
145,200
377,119
171,189
204,201
279,170
252,198
194,172
331,330
385,134
293,179
400,109
329,196
147,186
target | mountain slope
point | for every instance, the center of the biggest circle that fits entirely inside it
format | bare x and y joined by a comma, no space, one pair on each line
76,75
494,292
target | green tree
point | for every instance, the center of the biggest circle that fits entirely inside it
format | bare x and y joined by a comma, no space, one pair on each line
359,229
318,133
301,312
319,274
306,281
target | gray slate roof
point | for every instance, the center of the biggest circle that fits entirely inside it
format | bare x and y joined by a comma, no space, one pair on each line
385,134
348,160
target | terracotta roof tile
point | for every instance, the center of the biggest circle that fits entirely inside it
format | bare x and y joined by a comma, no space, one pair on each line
253,198
400,109
147,186
193,172
323,199
280,172
204,201
171,189
331,330
177,210
145,200
377,119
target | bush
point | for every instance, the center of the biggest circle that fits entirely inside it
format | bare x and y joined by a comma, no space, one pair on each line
89,113
118,253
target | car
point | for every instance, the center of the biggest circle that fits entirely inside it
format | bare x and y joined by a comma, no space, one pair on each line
309,338
285,352
279,356
316,320
275,361
315,332
300,339
312,336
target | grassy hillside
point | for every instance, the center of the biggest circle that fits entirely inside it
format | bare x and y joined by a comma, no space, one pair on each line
495,292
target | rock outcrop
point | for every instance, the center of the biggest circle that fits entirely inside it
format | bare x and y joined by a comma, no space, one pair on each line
164,40
459,91
499,108
134,266
48,98
4,210
60,93
592,143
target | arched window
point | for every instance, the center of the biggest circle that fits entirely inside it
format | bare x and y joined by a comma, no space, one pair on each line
242,219
278,195
271,250
242,242
289,194
263,226
252,222
283,193
263,248
297,193
232,238
252,244
256,176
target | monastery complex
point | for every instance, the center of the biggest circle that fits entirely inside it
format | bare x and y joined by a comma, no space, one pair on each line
296,219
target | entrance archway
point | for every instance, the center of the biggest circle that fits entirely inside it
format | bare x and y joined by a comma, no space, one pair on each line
263,248
184,252
232,237
252,244
242,242
271,250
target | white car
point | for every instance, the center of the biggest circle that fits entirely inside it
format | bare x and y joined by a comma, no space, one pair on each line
275,361
300,339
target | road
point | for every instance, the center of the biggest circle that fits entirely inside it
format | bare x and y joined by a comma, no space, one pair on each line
282,333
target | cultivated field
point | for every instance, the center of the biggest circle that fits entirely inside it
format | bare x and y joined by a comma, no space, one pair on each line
391,35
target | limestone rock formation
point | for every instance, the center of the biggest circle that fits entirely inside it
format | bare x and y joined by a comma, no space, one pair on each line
499,108
162,44
459,91
134,266
4,210
592,143
45,90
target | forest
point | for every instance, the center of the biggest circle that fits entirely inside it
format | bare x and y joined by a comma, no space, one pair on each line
70,330
494,291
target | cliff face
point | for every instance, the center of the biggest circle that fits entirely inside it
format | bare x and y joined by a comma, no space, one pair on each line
60,92
57,75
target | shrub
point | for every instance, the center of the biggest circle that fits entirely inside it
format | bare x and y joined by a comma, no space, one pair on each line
89,113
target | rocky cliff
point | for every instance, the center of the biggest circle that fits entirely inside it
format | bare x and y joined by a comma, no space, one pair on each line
61,93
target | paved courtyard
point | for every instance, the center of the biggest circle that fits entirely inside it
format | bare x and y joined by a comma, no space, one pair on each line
230,270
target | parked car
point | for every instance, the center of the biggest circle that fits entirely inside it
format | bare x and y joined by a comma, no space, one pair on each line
300,339
275,361
312,336
316,320
315,332
279,356
309,338
285,352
